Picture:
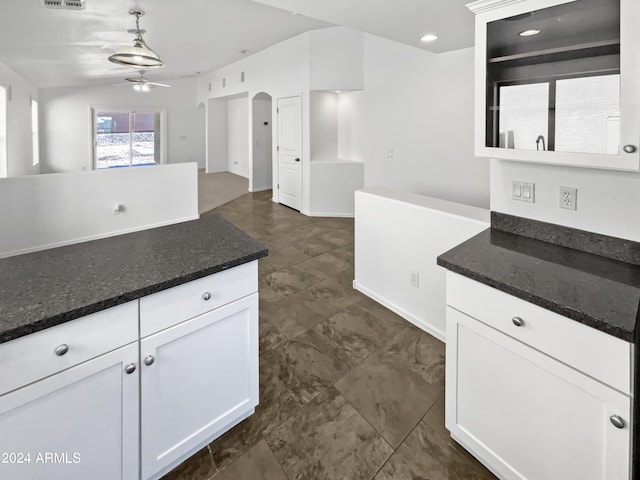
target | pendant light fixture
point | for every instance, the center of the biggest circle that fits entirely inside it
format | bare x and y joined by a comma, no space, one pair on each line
140,55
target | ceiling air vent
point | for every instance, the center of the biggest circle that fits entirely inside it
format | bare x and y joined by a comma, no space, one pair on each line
64,4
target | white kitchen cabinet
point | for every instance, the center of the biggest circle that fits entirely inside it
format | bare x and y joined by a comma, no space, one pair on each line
567,94
517,408
79,423
199,378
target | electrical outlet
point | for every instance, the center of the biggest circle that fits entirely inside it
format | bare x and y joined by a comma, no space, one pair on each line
568,198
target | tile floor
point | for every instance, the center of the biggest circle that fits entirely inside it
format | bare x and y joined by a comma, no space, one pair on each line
348,389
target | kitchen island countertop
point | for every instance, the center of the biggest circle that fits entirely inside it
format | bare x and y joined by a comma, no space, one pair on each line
46,288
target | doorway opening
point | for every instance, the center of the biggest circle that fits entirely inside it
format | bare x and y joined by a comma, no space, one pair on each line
262,143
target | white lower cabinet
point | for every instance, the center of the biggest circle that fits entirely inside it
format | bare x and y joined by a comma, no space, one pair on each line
80,423
91,399
525,414
198,378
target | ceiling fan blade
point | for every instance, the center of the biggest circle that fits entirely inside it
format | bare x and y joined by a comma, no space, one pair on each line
158,84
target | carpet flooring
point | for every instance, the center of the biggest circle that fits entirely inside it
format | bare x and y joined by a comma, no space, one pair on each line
215,189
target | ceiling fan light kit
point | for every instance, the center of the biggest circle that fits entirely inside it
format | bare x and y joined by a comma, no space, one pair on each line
139,55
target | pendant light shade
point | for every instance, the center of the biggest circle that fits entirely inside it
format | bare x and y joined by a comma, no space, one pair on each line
139,55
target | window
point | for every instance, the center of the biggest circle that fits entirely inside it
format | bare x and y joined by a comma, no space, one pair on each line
128,138
3,132
574,114
34,132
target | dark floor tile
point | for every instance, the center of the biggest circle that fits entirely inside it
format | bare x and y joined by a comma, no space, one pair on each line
324,266
310,363
338,238
282,257
200,466
329,440
290,280
389,395
295,314
276,405
337,290
259,463
358,332
345,253
421,352
425,456
270,336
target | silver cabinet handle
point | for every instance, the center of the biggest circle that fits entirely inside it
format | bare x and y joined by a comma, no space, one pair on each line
62,349
149,359
206,296
517,321
617,421
129,369
629,148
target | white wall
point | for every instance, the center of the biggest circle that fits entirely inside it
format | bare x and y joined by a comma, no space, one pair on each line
59,209
217,144
66,121
608,201
262,143
333,187
420,105
336,59
323,125
19,145
238,135
397,232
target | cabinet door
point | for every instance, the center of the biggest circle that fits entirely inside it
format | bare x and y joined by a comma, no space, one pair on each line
202,379
78,424
557,82
528,416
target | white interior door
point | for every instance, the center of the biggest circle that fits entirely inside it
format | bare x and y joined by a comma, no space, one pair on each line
289,152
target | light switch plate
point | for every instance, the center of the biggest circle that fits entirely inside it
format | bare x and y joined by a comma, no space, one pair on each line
523,191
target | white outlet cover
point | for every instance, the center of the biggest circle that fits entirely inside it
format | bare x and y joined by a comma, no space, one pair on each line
568,198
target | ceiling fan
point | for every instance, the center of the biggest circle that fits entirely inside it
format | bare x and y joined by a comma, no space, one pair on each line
142,83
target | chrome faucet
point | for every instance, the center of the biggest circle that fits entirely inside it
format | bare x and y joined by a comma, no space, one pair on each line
538,140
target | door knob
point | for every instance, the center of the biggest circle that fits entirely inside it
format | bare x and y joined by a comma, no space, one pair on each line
129,369
629,148
206,296
297,159
149,359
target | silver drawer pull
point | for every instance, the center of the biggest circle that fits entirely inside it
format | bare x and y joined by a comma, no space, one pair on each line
617,421
629,148
129,369
517,321
148,360
206,296
62,349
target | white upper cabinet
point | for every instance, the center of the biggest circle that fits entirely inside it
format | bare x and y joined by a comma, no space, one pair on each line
558,82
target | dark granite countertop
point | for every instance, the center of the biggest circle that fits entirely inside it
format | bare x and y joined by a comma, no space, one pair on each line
601,292
42,289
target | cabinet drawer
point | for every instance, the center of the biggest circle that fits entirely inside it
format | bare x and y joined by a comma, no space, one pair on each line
32,357
172,306
599,355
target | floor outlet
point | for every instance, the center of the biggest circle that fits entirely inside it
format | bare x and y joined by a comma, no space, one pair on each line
568,198
414,278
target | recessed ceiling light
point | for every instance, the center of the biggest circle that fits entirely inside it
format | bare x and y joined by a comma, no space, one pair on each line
529,33
429,37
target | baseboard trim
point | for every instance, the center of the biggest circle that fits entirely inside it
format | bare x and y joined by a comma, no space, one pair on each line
410,317
95,237
326,214
261,189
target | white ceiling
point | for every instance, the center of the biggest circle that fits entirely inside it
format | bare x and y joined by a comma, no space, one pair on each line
63,47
